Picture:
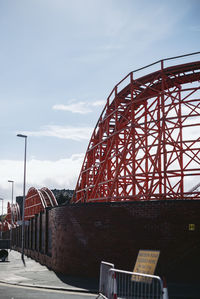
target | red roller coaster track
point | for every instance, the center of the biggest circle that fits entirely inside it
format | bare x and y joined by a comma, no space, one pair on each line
37,200
146,143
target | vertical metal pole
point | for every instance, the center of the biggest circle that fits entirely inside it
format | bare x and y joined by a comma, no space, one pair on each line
1,218
11,217
163,138
24,197
117,150
146,184
133,139
12,190
11,210
181,142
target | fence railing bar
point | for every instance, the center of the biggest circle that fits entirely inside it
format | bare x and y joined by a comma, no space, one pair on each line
116,283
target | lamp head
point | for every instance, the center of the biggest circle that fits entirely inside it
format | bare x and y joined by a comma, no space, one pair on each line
21,135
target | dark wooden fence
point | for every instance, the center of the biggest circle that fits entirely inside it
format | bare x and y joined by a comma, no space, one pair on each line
37,234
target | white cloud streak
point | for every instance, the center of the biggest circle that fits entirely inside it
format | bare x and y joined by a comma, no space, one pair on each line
63,132
78,107
98,103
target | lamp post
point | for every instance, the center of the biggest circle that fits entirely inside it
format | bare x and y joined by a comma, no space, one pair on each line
10,181
24,195
1,217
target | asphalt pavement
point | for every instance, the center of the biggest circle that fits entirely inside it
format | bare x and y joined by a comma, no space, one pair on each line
37,281
33,274
8,291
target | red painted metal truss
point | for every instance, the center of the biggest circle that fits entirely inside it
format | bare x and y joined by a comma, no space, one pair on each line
13,214
37,200
4,226
146,144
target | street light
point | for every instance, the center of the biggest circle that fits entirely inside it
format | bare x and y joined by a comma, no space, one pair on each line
10,181
24,192
1,217
11,210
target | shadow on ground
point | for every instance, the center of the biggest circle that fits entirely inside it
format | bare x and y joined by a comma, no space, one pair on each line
88,283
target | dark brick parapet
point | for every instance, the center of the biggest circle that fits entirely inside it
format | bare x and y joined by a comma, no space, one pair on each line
82,235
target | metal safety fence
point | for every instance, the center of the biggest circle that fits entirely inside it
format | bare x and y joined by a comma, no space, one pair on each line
103,279
116,283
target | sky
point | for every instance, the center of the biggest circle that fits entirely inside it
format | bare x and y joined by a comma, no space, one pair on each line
59,60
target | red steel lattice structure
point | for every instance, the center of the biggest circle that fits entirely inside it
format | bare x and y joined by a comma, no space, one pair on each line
13,214
37,200
146,144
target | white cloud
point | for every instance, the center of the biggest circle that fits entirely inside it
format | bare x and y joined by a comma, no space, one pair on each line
98,103
62,173
78,107
58,174
63,132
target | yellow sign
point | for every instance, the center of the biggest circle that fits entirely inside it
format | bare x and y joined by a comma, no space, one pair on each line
146,263
192,226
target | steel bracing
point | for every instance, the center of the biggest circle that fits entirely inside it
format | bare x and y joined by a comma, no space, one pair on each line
13,214
146,144
37,200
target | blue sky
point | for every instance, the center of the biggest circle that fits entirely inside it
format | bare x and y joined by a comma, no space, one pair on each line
59,60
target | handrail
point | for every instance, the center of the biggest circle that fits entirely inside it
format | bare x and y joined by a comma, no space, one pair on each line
147,66
165,59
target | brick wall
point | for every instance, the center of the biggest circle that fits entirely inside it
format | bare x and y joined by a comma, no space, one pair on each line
78,237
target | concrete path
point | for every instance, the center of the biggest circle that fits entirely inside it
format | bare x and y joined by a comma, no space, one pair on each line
34,274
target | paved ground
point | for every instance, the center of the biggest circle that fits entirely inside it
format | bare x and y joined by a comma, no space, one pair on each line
33,274
14,273
8,291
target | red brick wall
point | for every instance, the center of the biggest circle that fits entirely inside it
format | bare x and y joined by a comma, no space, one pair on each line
83,235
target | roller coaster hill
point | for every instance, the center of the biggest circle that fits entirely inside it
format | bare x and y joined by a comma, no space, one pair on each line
139,185
146,143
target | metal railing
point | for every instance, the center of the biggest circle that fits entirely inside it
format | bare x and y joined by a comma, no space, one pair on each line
124,284
116,283
104,278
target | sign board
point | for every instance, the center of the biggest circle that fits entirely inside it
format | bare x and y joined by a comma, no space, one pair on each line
146,263
192,226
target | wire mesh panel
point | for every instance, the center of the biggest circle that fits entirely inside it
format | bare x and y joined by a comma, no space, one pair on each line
123,284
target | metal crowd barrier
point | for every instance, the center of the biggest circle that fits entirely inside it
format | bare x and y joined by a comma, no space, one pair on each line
104,279
116,283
